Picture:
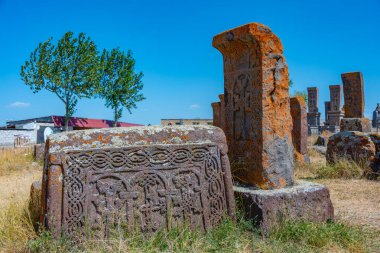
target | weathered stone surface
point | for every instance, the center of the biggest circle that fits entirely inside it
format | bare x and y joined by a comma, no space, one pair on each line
35,210
353,86
216,108
222,112
354,146
257,113
299,132
39,151
327,109
355,124
335,115
149,177
312,99
376,117
305,200
321,141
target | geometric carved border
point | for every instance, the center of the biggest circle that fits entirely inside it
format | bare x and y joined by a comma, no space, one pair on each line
150,187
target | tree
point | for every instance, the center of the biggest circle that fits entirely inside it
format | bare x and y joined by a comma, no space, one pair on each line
69,69
301,94
119,86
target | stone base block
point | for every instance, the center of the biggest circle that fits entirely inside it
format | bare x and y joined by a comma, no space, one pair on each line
313,130
305,200
355,124
35,203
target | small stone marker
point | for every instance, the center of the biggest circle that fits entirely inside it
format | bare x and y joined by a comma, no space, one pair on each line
299,132
353,86
258,123
149,177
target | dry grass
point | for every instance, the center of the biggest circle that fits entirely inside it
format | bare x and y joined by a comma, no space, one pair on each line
17,172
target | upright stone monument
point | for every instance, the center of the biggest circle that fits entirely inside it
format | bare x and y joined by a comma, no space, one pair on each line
353,86
299,132
376,117
256,95
327,109
144,177
218,110
313,115
336,113
258,127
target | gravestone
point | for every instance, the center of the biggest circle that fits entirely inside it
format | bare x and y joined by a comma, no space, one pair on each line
216,110
299,132
257,113
313,115
327,109
222,112
376,117
353,87
144,177
335,114
258,127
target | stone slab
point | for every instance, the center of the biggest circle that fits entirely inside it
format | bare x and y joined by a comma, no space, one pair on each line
35,204
300,130
39,151
257,109
355,124
149,177
305,200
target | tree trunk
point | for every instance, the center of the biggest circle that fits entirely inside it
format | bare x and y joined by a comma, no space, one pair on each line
115,117
67,117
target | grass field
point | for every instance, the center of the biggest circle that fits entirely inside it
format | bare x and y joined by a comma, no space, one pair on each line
356,202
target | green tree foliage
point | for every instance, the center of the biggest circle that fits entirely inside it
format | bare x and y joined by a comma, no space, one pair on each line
120,85
301,94
69,69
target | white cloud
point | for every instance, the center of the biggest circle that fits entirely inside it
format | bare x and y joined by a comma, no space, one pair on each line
194,106
19,105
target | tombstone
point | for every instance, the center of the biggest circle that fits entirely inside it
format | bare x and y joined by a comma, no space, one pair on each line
144,177
222,112
353,86
258,127
336,113
216,108
299,132
257,113
376,117
354,120
327,109
313,115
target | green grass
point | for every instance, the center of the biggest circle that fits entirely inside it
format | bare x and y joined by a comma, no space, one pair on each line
229,236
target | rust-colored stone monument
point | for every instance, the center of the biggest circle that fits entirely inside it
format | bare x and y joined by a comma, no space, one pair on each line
258,123
353,87
149,177
335,114
299,132
313,115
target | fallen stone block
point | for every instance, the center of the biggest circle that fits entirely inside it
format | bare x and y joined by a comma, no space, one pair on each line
355,124
268,208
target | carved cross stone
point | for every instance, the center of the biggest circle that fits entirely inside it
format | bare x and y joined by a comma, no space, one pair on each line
257,114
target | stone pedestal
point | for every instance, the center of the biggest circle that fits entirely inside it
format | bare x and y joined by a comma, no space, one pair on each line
355,124
304,200
313,130
314,118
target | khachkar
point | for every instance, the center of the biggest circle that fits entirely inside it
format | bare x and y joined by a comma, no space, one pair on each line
313,115
335,114
258,124
258,127
354,120
300,128
376,117
144,177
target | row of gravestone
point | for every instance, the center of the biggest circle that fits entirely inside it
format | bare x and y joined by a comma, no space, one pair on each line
155,177
350,117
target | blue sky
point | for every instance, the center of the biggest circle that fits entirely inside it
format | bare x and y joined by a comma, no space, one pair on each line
171,42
